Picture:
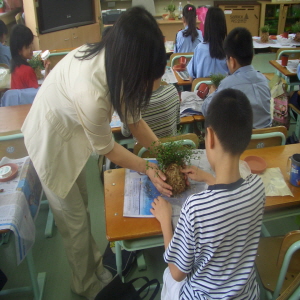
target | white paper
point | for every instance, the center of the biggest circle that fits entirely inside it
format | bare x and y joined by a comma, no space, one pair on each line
140,192
291,66
191,104
169,76
274,183
14,211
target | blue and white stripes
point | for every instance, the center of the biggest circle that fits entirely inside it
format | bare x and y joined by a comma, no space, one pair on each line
216,240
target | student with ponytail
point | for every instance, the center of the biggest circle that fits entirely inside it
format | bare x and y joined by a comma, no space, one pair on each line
209,56
188,38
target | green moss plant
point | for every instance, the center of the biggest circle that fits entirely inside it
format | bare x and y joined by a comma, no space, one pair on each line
216,79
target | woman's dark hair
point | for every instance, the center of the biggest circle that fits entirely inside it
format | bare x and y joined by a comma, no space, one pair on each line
215,31
230,116
20,36
189,14
3,29
135,57
239,44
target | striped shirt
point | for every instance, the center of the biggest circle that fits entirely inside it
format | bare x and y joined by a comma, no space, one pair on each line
216,239
162,114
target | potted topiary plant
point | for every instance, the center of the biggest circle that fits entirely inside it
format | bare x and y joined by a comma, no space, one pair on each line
216,79
37,65
171,156
296,30
171,10
264,36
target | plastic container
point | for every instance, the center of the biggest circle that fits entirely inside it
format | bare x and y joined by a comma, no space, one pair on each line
45,55
180,10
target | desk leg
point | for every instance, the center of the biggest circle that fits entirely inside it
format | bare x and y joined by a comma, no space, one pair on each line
37,281
118,258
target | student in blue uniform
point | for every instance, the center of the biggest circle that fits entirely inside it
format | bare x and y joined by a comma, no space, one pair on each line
5,55
209,56
238,47
188,38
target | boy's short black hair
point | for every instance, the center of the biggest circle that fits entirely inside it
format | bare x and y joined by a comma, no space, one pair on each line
230,116
3,28
239,45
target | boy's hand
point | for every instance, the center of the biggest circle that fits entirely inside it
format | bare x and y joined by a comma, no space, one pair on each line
197,174
162,210
158,179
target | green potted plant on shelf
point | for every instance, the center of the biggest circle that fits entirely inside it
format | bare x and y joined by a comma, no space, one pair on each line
171,10
296,30
37,65
216,79
264,36
171,156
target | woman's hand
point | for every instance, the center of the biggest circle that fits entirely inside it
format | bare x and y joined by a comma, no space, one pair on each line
158,177
197,174
162,211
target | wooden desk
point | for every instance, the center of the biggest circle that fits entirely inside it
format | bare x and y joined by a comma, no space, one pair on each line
123,228
281,69
12,117
290,78
181,81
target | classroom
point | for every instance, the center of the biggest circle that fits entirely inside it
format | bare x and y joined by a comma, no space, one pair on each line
149,138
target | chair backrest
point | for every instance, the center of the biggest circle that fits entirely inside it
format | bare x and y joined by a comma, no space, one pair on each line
268,137
12,145
188,139
289,51
197,81
18,97
174,58
278,264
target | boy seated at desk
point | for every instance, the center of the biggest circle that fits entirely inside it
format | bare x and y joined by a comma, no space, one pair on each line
162,114
238,47
212,251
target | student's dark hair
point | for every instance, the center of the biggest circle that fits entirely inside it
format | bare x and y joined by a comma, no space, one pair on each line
215,31
135,57
3,28
230,116
189,14
20,36
239,45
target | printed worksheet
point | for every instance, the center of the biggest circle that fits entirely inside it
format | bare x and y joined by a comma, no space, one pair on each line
140,191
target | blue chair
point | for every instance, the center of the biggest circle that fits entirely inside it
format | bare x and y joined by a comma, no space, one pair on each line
278,266
18,97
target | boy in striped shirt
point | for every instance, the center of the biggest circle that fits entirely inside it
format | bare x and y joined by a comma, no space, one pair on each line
212,251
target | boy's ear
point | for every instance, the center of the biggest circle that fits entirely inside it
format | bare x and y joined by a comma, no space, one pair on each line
210,139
